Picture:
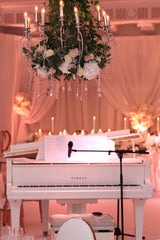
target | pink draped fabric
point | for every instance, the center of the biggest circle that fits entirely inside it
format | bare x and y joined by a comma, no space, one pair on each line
134,75
131,78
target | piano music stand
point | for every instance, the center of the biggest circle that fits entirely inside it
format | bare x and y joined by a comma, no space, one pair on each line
120,155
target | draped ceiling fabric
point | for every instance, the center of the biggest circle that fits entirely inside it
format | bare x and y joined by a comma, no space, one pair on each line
133,77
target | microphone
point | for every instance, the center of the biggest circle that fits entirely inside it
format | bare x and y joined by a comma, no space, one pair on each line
70,145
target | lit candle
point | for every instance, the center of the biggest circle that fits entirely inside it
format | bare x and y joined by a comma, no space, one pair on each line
49,133
94,123
64,132
158,126
76,15
92,132
36,16
25,20
98,13
40,133
109,129
74,134
105,18
52,124
125,122
61,8
28,23
43,16
82,133
100,130
108,23
60,133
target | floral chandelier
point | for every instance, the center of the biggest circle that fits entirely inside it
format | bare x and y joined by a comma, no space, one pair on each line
71,45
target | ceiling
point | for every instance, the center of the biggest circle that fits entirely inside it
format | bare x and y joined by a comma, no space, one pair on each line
127,17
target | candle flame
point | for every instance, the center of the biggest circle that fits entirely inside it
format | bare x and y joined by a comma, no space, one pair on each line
104,13
98,8
43,11
75,9
82,132
25,14
36,9
61,3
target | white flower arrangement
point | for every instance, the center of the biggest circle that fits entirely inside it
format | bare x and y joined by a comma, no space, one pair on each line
142,117
91,70
22,103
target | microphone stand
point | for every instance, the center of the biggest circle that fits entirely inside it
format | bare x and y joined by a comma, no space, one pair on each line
120,155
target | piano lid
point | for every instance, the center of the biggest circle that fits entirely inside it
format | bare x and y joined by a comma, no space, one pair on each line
122,135
55,149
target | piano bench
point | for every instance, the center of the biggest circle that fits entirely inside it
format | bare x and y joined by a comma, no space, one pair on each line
102,223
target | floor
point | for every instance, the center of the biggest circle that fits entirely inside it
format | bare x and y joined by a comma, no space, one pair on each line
151,227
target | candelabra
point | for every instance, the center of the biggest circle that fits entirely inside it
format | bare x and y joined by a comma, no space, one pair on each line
76,63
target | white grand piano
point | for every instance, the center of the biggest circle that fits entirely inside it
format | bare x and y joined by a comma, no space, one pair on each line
84,176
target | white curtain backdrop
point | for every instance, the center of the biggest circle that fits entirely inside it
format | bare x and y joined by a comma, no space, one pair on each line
132,78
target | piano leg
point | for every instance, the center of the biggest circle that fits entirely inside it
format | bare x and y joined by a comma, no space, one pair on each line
139,212
15,206
45,211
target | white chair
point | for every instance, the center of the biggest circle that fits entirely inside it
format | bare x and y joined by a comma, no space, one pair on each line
75,228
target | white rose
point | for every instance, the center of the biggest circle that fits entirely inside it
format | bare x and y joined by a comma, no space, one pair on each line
80,72
64,67
68,58
49,53
98,59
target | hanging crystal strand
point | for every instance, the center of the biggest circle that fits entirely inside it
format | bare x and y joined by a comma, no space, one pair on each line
77,82
69,86
51,91
38,88
99,86
44,57
81,98
57,88
63,83
86,86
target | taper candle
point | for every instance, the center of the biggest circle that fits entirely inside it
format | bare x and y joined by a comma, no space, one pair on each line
43,16
61,4
125,122
36,14
157,126
76,15
94,123
25,20
98,13
52,124
105,18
